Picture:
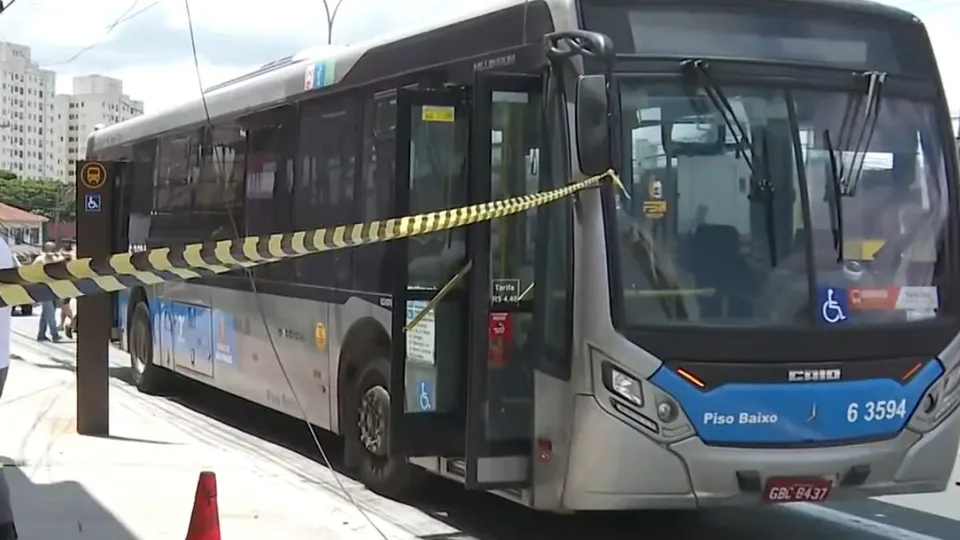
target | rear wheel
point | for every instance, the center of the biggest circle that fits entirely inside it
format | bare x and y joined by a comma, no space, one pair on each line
379,471
148,377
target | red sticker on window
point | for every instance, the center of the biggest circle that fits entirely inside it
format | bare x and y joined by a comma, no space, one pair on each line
501,326
874,298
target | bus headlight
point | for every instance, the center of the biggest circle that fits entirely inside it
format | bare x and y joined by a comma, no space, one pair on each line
940,400
622,385
638,402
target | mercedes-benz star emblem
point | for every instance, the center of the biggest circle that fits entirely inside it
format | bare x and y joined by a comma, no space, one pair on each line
813,413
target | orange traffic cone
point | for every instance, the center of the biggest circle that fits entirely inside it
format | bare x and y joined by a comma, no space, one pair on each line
205,518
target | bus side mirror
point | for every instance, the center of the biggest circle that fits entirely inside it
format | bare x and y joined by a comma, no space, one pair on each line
593,125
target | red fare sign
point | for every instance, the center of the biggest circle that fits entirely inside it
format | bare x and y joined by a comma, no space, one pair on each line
501,326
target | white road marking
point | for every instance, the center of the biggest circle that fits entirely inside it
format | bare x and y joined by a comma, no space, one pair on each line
857,523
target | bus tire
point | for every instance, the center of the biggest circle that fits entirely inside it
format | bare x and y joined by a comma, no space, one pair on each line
381,472
147,377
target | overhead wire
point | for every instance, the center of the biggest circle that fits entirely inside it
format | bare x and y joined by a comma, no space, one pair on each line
5,4
253,285
128,15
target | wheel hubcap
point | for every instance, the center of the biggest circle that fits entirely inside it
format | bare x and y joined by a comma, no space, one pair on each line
373,420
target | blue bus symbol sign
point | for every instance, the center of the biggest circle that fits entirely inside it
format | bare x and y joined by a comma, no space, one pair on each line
91,202
424,395
832,305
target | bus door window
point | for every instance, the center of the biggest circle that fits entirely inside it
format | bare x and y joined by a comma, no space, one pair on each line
515,169
435,365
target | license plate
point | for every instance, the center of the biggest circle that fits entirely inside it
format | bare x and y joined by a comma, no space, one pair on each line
792,489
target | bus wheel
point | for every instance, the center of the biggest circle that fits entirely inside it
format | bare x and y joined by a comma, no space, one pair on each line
147,377
379,471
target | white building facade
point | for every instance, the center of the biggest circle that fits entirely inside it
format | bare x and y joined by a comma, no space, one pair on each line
28,134
42,134
95,100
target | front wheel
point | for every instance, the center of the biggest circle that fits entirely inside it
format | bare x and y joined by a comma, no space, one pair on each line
381,472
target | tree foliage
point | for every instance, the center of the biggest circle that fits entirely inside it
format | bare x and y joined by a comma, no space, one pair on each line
49,198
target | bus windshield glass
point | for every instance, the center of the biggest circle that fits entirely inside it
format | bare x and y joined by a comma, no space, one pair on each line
714,229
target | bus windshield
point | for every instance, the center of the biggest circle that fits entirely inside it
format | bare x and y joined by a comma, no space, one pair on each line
715,228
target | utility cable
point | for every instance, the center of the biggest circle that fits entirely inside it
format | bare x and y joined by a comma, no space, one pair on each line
128,15
253,285
5,5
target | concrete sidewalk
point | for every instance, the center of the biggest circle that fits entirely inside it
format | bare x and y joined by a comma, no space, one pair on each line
139,483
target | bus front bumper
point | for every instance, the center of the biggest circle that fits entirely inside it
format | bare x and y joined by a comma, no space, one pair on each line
614,466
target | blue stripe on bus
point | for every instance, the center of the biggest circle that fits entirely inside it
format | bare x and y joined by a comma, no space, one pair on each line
799,413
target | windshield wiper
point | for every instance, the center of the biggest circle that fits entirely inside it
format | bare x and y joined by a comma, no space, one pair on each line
844,179
849,174
833,197
698,75
761,185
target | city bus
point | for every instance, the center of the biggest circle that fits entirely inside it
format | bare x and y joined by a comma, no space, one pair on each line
759,311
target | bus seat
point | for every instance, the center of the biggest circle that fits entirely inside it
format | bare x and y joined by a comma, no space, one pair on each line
719,265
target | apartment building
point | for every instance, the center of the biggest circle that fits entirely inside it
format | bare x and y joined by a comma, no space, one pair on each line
42,134
28,135
94,100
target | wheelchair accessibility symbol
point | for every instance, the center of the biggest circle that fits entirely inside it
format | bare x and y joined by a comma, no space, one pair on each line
91,202
833,305
424,396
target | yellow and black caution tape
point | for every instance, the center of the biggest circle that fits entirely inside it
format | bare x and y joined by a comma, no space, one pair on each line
35,283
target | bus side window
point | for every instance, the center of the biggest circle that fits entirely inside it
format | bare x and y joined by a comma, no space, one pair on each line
171,183
374,189
269,182
323,196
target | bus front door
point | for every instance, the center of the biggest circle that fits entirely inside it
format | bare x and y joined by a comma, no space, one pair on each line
463,354
505,162
429,328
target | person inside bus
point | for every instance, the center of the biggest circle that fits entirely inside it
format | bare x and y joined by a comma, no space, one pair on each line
48,308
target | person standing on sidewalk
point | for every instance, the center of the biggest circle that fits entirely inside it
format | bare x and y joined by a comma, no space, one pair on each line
67,314
8,531
48,308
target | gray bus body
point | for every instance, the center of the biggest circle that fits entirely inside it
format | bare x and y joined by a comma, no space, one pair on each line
584,361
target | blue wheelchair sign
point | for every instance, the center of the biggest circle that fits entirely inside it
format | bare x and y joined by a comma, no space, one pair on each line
832,305
425,395
91,202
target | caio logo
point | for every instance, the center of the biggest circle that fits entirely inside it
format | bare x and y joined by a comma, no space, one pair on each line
814,375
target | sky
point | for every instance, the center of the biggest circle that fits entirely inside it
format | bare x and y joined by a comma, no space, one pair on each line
149,48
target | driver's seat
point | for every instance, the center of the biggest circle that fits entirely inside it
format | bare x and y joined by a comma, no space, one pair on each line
718,265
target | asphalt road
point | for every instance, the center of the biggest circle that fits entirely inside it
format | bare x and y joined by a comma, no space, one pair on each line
285,442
